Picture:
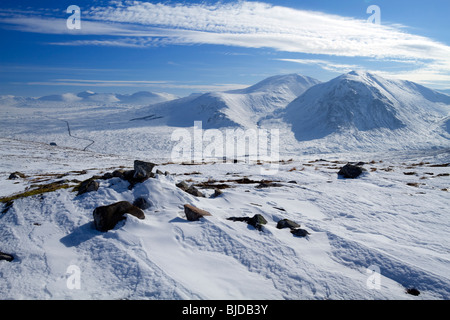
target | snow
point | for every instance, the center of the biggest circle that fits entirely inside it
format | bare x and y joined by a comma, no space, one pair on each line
394,217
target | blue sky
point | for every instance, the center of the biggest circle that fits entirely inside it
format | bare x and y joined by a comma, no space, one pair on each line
182,47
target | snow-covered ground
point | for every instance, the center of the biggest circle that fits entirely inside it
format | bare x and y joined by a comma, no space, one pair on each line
377,220
372,237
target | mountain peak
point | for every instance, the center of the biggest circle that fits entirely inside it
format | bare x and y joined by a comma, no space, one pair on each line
363,102
293,82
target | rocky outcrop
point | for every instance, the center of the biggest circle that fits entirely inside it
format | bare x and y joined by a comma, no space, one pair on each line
194,213
142,171
106,217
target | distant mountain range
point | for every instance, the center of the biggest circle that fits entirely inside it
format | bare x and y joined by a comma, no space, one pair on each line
138,98
242,107
357,110
354,110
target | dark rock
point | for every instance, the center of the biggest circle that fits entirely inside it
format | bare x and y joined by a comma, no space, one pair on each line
300,232
217,192
106,217
88,186
107,175
195,192
351,171
118,174
265,184
194,213
16,175
8,205
189,189
413,291
142,203
142,170
256,221
182,185
5,256
286,223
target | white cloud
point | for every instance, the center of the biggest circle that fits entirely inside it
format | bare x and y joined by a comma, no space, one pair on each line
140,83
250,25
326,65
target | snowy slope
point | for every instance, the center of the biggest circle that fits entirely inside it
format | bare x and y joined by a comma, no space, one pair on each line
377,220
370,109
242,107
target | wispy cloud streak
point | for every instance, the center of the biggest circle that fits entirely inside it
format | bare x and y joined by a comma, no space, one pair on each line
244,24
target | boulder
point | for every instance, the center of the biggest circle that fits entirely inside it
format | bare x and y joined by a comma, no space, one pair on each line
142,170
194,213
286,223
88,186
300,232
351,171
5,256
106,217
142,203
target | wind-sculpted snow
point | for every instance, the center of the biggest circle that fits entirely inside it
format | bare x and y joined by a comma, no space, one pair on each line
394,218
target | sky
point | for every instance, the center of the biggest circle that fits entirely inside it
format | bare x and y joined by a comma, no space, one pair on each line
182,47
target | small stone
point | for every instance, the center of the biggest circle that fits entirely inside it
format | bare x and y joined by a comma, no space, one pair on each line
286,223
16,175
142,203
88,186
413,291
194,213
300,232
5,256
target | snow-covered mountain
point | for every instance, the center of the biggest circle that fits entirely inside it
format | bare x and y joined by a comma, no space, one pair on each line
138,98
360,104
242,107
